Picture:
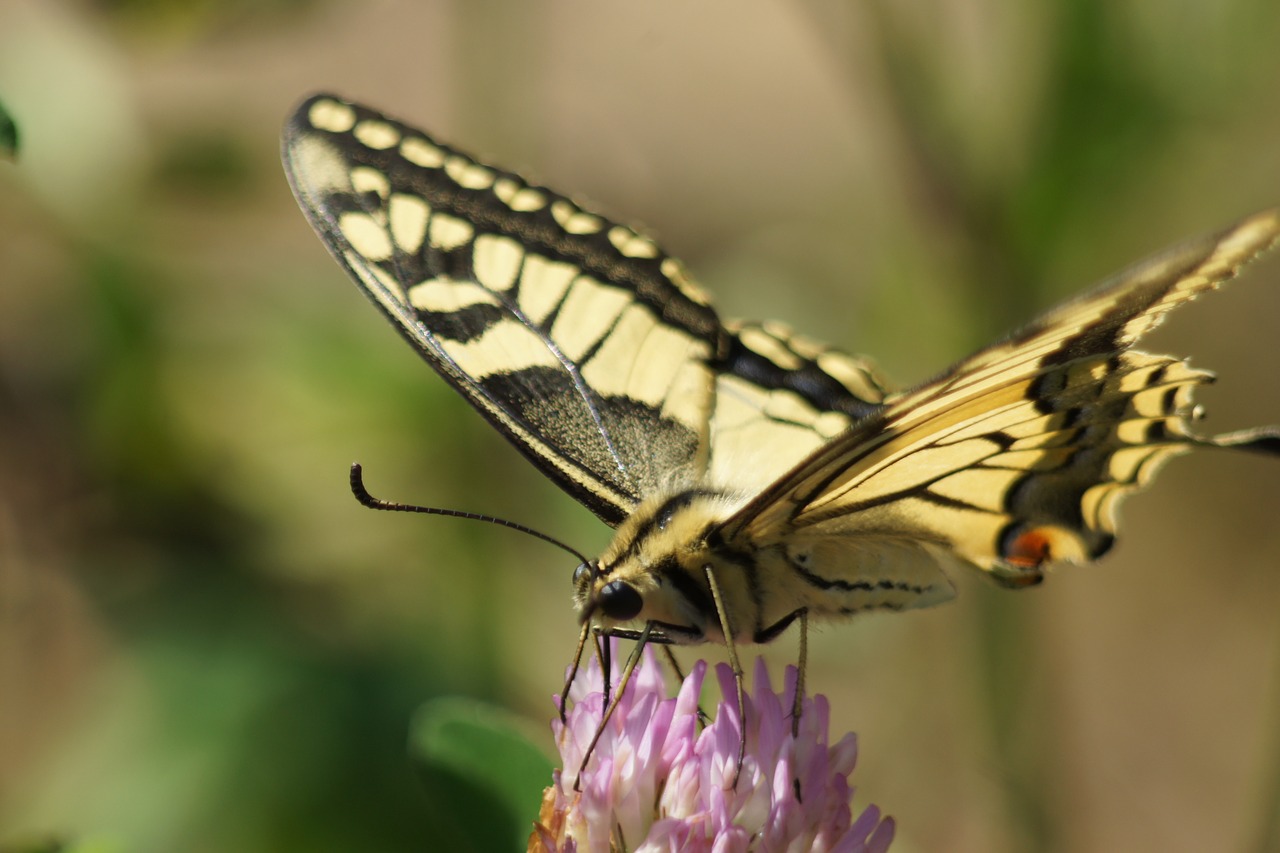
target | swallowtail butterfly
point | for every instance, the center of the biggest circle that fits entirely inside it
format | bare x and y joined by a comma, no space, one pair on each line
753,475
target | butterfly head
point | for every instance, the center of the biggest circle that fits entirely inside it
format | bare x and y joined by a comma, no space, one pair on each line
620,605
654,570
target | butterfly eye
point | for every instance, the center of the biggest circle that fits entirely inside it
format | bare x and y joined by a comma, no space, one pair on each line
620,601
583,571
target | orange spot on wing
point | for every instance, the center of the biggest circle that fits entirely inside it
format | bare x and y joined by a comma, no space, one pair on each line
1031,549
1025,553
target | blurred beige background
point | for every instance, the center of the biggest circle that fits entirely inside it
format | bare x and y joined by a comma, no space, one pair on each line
205,644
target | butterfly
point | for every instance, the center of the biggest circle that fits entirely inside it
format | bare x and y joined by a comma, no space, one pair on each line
754,477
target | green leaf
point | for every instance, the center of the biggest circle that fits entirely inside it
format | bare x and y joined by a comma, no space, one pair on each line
481,768
8,135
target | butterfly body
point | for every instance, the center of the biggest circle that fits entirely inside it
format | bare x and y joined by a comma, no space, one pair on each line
664,550
753,475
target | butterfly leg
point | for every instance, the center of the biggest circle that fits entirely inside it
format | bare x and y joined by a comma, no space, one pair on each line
801,669
771,633
703,717
727,630
632,660
673,663
604,656
573,672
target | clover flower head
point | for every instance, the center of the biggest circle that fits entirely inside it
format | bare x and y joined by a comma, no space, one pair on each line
657,781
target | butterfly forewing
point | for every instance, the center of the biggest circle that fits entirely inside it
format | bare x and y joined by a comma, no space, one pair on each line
578,338
575,336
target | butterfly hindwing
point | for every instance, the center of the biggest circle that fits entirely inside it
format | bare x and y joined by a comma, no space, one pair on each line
1018,455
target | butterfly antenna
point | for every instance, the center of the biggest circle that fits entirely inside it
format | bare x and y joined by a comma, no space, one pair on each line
368,500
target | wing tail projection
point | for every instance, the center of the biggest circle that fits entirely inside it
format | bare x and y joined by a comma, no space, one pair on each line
1257,440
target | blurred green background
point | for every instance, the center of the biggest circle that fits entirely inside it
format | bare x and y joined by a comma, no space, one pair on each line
206,645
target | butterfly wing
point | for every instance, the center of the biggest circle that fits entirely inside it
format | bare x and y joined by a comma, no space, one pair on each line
574,336
1019,455
780,397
